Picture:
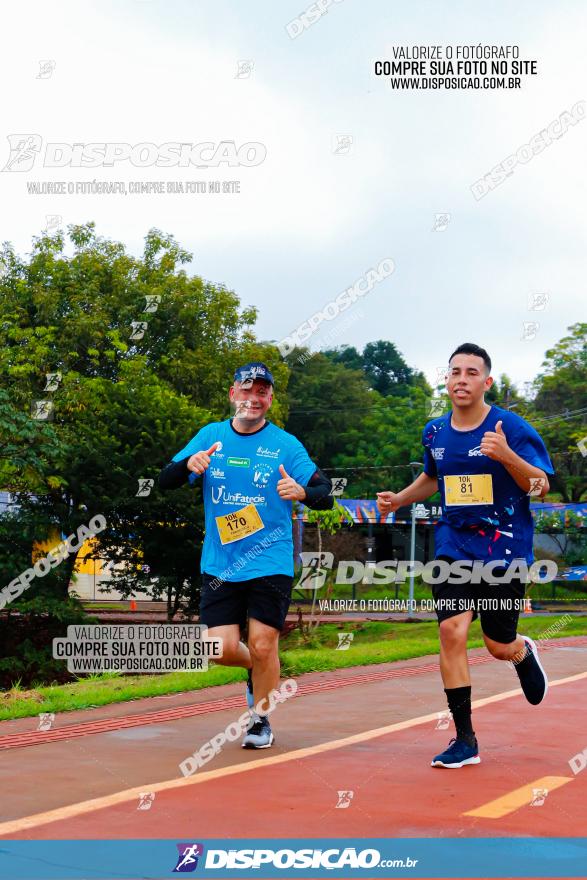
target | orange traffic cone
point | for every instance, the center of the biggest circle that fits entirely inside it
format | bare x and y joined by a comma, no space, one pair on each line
133,605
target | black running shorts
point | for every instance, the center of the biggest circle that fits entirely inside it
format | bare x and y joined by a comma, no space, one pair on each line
497,605
266,599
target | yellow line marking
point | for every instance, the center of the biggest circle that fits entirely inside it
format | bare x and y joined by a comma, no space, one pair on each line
129,794
519,797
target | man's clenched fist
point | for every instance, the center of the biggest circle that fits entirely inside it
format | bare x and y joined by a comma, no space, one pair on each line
387,502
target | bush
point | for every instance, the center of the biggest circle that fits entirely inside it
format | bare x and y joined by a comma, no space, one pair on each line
27,630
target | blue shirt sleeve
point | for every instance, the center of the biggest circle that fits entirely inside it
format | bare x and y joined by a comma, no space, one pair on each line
429,463
299,465
528,444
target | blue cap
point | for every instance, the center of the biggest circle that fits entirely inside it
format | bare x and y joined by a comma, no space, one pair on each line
252,371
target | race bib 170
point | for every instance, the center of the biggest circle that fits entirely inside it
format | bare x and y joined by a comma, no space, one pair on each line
240,524
468,489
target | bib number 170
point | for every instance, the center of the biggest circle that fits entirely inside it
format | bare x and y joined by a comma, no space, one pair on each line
238,524
234,522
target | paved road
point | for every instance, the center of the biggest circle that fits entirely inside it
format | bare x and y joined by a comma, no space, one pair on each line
370,731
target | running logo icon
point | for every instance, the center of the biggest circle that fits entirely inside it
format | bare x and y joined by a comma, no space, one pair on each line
251,375
436,407
338,486
441,222
46,720
443,720
189,853
145,486
536,486
23,151
539,795
315,567
344,641
146,799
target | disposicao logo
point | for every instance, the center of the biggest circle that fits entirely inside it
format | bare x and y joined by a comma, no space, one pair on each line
187,860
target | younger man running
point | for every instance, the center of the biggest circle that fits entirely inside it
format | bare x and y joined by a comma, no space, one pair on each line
484,461
251,472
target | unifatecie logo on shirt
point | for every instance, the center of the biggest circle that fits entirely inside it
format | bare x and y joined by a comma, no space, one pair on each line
268,453
220,495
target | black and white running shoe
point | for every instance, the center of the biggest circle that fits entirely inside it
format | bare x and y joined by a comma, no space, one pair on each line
259,734
531,674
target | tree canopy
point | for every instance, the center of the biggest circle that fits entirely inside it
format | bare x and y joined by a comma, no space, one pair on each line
110,363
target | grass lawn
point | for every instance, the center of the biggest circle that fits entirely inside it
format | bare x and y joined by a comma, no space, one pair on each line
105,606
373,642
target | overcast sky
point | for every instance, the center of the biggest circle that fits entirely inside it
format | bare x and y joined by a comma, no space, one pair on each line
309,221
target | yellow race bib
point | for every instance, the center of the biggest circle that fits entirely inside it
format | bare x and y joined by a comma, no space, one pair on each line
468,489
240,524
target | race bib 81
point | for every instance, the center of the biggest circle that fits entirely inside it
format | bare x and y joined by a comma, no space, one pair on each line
468,489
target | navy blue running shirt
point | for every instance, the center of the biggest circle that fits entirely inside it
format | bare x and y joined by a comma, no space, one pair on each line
248,526
485,514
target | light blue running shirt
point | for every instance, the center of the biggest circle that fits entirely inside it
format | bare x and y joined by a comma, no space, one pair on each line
244,472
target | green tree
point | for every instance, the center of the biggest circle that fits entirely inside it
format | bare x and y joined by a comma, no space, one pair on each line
559,412
385,368
326,400
137,377
347,355
504,393
568,533
383,443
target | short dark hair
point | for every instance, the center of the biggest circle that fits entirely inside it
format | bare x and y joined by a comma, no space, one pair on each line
471,348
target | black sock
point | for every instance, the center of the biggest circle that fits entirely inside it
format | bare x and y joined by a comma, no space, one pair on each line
459,703
250,678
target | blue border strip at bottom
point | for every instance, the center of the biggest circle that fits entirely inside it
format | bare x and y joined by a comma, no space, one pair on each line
484,857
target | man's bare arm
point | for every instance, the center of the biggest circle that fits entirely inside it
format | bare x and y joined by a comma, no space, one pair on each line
422,487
